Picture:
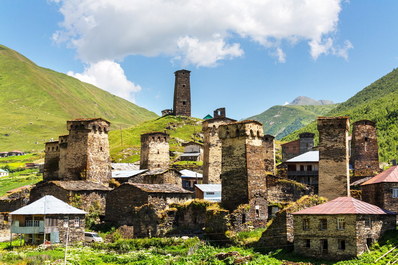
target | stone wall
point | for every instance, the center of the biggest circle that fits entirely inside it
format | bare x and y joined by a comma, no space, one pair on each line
306,142
364,149
212,150
243,170
76,229
290,150
170,176
269,155
5,226
155,151
380,194
51,161
182,93
333,157
281,190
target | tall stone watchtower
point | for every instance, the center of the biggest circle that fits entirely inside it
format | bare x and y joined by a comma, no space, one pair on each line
243,171
364,149
155,151
212,147
182,93
269,155
333,157
51,161
84,153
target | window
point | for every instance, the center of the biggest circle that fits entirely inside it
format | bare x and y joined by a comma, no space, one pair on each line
340,223
324,245
306,224
309,168
307,243
243,218
209,193
323,224
368,221
66,221
257,208
395,193
341,244
301,167
77,222
369,241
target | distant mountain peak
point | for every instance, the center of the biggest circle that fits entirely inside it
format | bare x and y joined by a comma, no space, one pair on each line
302,100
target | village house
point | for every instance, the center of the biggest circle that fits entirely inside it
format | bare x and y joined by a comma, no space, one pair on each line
190,178
193,151
210,192
342,228
297,147
15,153
3,154
48,219
3,173
382,189
304,169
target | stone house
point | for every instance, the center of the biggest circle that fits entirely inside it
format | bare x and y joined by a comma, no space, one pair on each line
122,201
304,169
125,175
190,178
85,194
49,219
297,147
382,189
15,153
193,151
339,229
158,176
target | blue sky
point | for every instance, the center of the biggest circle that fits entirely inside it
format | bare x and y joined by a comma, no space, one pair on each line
244,55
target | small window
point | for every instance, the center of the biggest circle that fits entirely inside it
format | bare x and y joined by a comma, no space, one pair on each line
369,241
306,224
323,224
324,245
395,193
184,103
209,193
307,243
66,221
368,221
309,168
301,167
340,223
341,244
243,218
77,222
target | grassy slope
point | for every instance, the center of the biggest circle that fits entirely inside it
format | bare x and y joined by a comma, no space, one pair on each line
179,128
376,102
35,103
283,120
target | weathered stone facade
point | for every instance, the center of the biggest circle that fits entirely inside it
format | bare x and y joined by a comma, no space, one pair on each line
328,240
306,141
212,149
182,93
333,157
51,161
5,224
155,151
168,176
269,155
121,202
243,170
382,194
281,190
364,149
294,148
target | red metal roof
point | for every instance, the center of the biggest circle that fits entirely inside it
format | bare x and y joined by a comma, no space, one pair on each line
345,205
389,175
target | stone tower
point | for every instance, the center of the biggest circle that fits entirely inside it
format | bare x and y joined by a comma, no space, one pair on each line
212,147
155,151
364,149
306,142
84,153
51,161
243,171
269,155
333,157
182,93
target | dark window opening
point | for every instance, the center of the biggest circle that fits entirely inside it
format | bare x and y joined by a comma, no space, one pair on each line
323,224
184,102
307,243
309,168
366,139
324,245
257,213
301,167
243,218
369,241
341,243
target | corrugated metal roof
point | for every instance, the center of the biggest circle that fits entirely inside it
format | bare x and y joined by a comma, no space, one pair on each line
127,173
185,173
345,205
159,188
310,156
190,154
389,175
209,187
47,205
360,181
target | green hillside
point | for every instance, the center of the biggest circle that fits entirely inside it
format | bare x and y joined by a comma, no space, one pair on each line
126,143
35,102
283,120
376,102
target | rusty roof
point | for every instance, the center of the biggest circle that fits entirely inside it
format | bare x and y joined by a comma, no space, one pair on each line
389,175
159,188
79,185
345,205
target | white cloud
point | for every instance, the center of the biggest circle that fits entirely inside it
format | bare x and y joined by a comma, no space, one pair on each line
109,76
196,32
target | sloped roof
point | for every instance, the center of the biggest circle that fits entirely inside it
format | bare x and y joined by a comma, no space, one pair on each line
125,166
3,171
159,188
209,187
47,205
185,173
127,173
389,175
79,185
344,205
310,156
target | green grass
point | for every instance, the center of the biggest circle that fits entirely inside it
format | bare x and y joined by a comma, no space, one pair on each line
35,103
16,180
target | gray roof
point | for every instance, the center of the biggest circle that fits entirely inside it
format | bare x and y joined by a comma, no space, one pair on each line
77,185
125,166
185,173
159,188
310,156
190,154
3,171
127,173
47,205
209,187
